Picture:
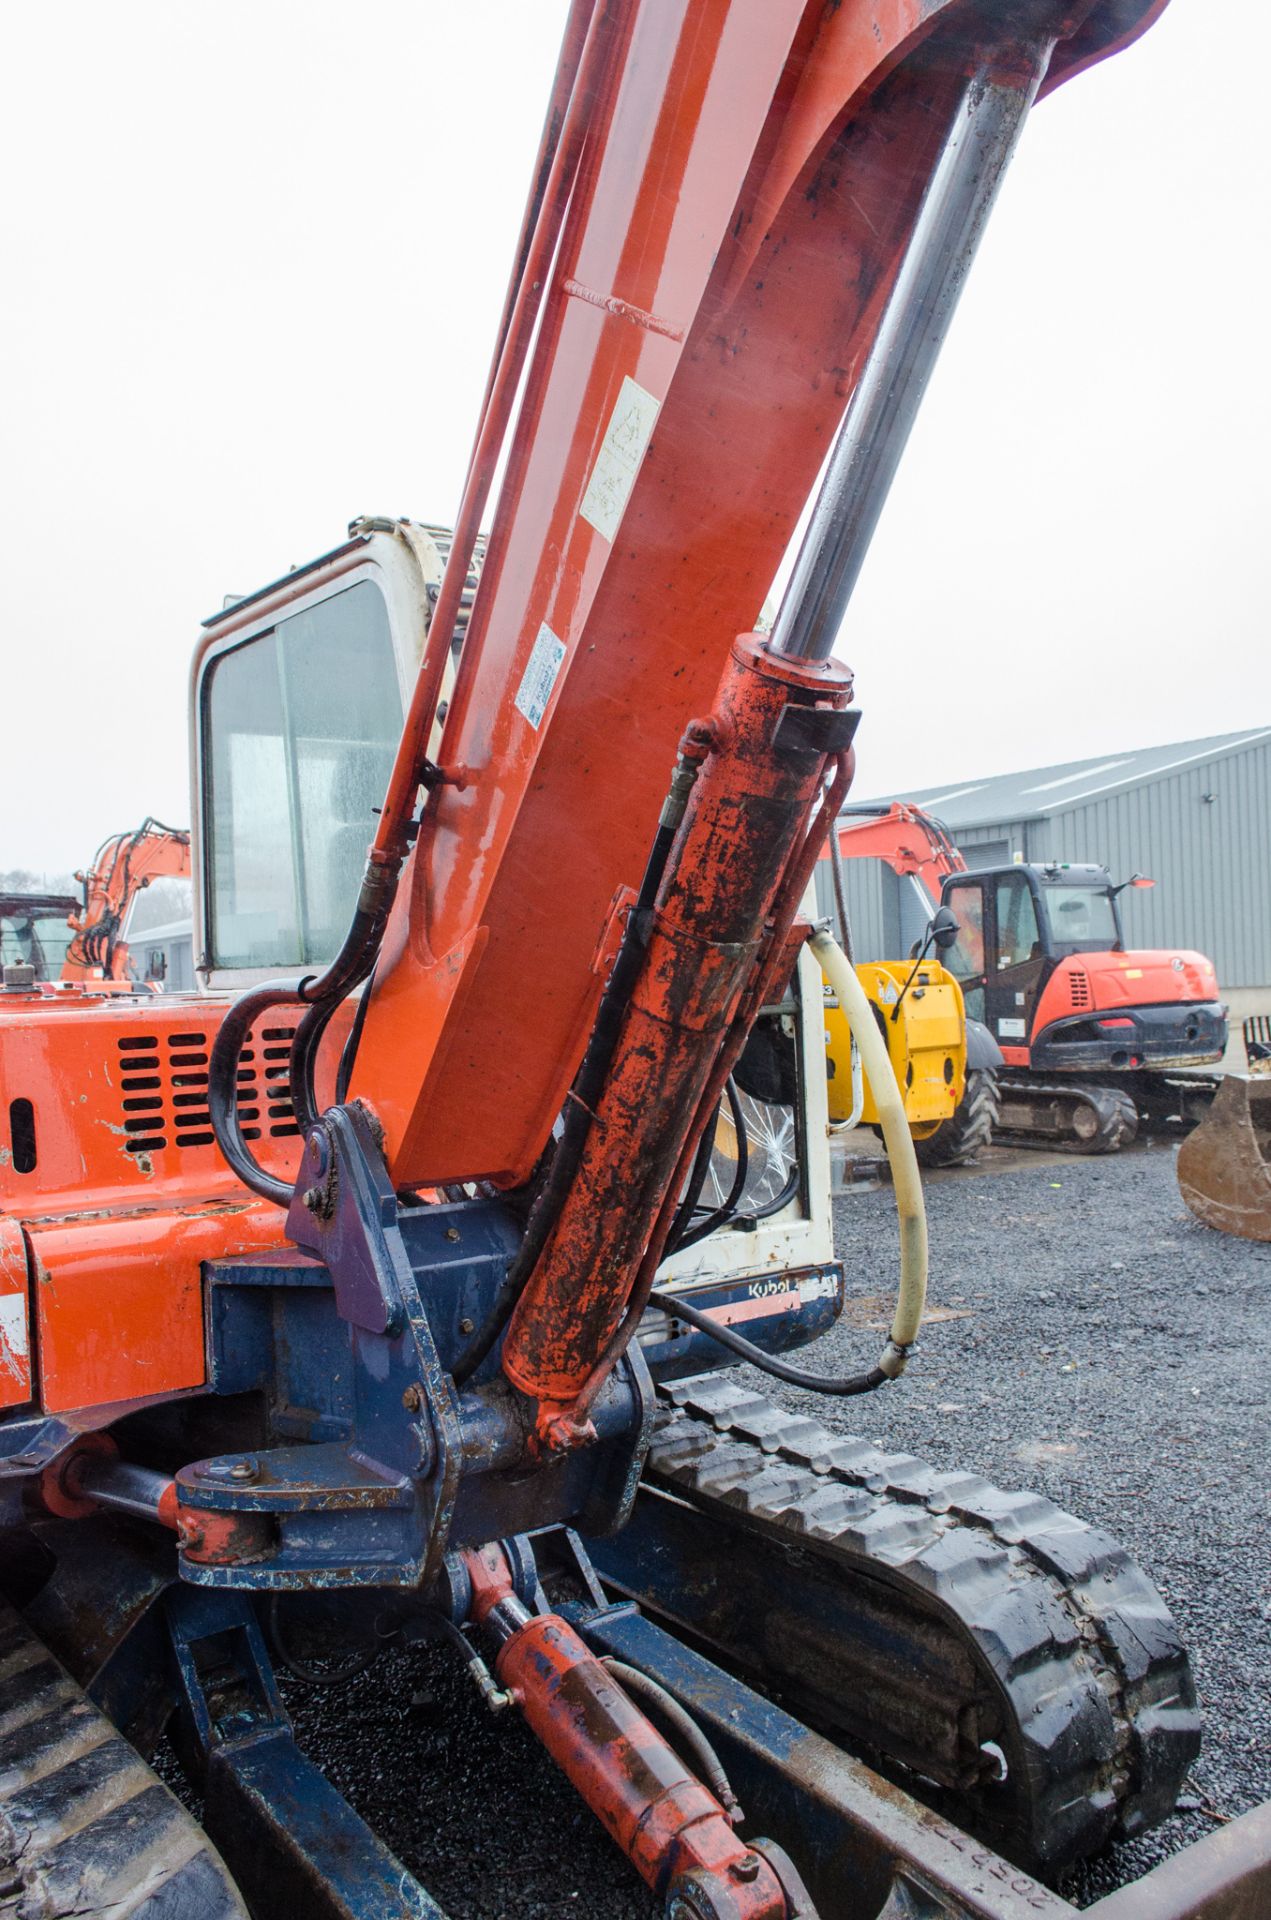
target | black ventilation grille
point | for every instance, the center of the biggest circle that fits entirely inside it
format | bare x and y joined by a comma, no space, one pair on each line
164,1089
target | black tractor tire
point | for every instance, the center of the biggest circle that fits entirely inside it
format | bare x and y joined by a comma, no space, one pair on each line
957,1141
1116,1123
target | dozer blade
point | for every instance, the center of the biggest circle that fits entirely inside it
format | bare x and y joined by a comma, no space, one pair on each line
1224,1166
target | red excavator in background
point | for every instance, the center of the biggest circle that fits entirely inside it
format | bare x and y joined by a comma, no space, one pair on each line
122,867
391,1286
1093,1037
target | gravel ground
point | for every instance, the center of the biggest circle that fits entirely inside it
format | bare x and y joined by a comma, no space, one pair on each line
1111,1353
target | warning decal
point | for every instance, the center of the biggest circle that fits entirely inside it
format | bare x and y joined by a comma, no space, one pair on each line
618,462
539,677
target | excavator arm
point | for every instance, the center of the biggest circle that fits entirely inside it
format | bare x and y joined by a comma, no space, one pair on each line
121,867
905,839
749,231
737,194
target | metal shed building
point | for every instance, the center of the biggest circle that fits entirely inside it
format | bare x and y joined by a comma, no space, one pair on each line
1196,816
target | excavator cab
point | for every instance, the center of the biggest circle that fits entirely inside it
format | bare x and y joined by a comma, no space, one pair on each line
1006,937
34,931
1042,960
298,696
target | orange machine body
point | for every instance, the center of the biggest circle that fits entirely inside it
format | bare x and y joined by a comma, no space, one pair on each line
1113,984
113,1192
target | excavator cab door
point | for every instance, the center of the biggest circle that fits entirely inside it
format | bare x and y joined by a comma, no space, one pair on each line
965,897
999,956
299,694
1017,961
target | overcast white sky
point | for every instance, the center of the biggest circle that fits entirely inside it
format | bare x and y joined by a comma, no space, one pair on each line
255,256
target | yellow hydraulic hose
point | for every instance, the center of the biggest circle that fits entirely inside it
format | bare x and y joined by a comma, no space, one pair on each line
912,1293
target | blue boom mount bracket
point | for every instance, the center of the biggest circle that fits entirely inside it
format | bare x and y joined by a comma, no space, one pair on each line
372,1462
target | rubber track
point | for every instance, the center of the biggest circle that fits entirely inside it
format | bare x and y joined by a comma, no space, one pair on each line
85,1826
1078,1639
1118,1115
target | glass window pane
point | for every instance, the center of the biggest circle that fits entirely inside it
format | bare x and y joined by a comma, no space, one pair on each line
965,959
301,726
1017,936
1081,916
36,940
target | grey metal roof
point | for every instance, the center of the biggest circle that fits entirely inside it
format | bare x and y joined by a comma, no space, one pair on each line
1043,792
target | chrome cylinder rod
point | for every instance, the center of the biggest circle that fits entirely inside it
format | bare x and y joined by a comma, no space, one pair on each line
126,1488
985,127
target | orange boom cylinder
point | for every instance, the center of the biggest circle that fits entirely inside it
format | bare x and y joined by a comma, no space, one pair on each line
775,723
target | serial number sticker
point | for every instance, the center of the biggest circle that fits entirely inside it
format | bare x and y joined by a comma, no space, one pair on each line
1011,1029
539,677
618,462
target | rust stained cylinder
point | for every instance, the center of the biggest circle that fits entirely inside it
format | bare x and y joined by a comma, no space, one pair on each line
747,815
666,1822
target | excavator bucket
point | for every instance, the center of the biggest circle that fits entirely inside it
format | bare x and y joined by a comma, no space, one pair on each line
1224,1167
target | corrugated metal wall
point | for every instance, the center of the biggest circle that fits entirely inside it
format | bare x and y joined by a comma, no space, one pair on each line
871,902
1210,858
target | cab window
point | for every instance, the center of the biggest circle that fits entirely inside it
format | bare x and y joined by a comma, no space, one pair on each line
965,959
35,940
1082,918
300,726
1017,937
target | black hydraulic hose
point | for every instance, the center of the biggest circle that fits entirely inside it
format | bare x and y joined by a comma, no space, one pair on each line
646,1688
304,1060
588,1084
727,1210
778,1200
454,1633
357,1663
348,1053
696,1181
222,1086
839,1389
352,965
321,991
